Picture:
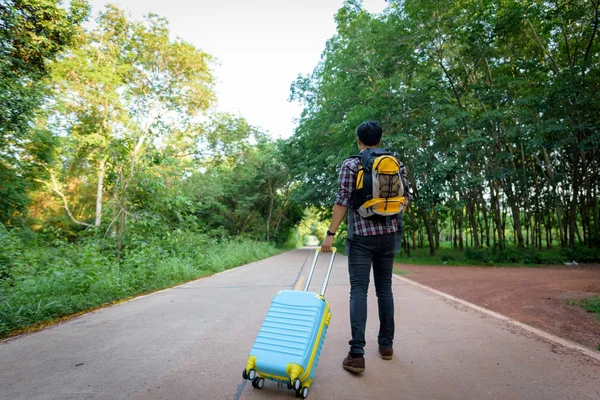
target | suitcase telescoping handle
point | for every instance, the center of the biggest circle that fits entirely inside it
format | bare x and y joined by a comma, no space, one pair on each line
312,270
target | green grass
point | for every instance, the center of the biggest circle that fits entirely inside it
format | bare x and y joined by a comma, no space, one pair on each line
41,283
590,305
510,257
401,272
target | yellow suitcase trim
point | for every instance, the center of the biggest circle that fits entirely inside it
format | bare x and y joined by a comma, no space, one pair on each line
316,345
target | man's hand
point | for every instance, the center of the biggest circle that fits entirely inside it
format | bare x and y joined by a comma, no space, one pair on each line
327,244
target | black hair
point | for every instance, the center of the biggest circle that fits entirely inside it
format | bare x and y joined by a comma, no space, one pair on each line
369,132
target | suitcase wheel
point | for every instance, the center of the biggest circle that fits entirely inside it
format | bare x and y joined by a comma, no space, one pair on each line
302,393
296,384
258,383
250,375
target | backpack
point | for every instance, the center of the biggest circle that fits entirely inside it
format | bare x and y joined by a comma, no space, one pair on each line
379,189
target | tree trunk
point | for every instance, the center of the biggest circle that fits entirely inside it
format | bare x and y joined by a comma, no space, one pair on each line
573,219
478,220
485,221
540,246
101,170
494,238
471,237
474,229
504,228
495,202
596,213
460,233
566,227
551,177
573,208
454,238
578,235
56,189
548,229
512,201
586,201
436,232
429,229
584,222
562,226
527,211
537,222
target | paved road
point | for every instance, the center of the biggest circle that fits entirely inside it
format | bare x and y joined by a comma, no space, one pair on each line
191,342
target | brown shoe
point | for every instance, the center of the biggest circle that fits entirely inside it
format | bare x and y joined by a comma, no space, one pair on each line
386,354
354,364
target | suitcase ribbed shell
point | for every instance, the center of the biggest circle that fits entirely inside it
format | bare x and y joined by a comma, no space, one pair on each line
295,323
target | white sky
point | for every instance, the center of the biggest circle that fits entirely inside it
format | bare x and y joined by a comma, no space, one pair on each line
260,47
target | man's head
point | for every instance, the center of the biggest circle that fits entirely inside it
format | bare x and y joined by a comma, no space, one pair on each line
369,134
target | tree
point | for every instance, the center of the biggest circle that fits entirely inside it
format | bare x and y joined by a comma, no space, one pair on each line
32,33
488,103
127,92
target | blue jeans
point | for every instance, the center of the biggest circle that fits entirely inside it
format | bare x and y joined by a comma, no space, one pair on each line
362,252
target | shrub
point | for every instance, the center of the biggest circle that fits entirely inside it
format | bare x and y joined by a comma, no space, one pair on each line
45,282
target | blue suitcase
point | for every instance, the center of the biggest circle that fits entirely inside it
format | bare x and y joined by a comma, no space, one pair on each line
290,340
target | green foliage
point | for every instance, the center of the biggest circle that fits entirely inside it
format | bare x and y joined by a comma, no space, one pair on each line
581,254
32,33
293,240
591,305
141,151
509,257
140,184
41,282
314,224
486,102
512,255
145,139
143,95
244,192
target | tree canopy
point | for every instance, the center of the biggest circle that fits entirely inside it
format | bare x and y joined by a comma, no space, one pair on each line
32,34
492,105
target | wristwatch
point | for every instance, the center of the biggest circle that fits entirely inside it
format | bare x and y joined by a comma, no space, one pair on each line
330,233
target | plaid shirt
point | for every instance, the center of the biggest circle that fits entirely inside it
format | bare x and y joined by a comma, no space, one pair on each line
347,184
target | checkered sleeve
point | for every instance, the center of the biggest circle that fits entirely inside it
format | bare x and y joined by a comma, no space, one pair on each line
346,182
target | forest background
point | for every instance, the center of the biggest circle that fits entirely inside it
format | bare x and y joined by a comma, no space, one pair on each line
119,177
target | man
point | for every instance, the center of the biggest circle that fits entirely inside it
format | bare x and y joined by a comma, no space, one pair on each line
370,242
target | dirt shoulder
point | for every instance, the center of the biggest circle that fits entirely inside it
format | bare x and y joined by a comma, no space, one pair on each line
535,296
